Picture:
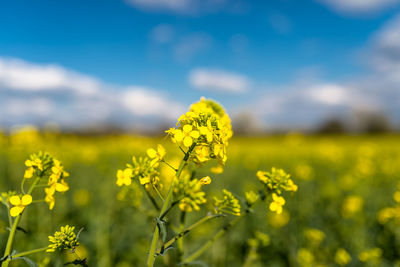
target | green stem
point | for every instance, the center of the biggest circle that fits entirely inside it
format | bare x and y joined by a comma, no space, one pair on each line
187,230
29,252
180,240
169,165
14,228
169,208
156,233
208,244
22,185
153,201
158,192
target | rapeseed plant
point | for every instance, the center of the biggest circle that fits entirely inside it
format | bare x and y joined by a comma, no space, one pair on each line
202,134
43,171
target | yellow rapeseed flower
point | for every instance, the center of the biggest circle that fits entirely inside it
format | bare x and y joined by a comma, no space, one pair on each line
156,155
186,135
19,204
277,203
124,177
342,257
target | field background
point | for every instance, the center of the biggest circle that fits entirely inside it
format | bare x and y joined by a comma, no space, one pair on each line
344,181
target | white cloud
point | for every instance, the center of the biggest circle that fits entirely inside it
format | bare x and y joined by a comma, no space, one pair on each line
384,53
183,7
359,6
34,107
219,80
310,100
24,76
142,101
329,94
36,93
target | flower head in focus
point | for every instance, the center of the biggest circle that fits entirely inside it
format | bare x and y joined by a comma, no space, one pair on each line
63,239
19,203
208,127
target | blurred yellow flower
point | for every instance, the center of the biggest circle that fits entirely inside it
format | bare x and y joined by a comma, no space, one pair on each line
342,257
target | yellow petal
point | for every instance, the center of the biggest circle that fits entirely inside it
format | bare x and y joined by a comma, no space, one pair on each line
15,211
15,200
187,128
26,200
178,135
273,206
205,180
161,151
144,180
51,204
203,130
151,153
153,162
217,169
28,173
209,137
127,181
187,141
279,210
195,134
61,187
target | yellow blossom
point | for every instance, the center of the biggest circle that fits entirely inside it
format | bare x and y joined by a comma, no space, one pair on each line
277,203
156,155
124,177
342,257
186,135
19,204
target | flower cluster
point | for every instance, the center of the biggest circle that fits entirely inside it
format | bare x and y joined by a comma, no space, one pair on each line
37,164
43,166
276,182
56,182
142,169
63,239
189,193
208,127
229,204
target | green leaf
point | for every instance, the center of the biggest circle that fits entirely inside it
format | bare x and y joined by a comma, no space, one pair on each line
162,228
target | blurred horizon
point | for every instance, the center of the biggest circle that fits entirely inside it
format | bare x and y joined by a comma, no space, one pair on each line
136,65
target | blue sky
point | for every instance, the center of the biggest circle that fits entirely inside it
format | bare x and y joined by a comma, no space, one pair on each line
286,62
